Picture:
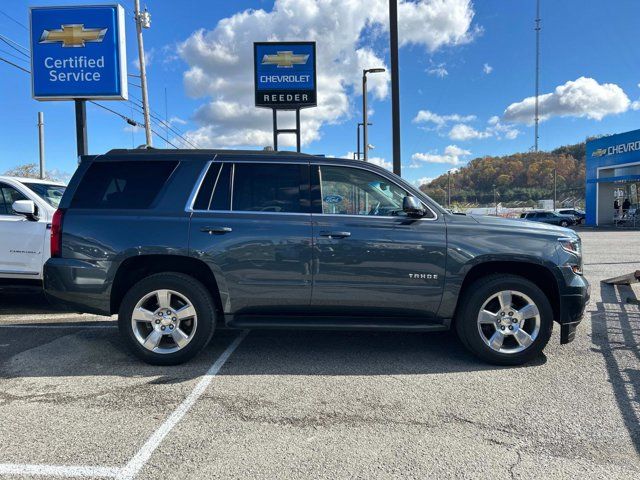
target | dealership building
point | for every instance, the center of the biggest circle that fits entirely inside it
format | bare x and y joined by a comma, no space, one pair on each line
613,173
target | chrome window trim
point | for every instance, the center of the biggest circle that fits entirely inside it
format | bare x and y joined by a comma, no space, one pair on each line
215,184
196,189
435,215
233,184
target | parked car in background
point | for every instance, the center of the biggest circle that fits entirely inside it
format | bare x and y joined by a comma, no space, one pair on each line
552,218
179,242
27,206
579,215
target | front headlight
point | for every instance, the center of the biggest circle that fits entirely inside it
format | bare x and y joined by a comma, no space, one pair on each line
571,245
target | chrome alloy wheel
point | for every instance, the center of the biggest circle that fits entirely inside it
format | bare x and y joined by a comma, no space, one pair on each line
509,322
164,321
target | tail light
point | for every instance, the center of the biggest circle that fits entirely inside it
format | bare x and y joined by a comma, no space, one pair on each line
56,233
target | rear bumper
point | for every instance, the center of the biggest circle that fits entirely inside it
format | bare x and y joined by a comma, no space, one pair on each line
78,285
573,300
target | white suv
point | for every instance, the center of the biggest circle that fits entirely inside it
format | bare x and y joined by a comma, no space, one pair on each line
26,209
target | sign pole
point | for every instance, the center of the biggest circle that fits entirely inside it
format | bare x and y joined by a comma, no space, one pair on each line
297,129
275,129
81,127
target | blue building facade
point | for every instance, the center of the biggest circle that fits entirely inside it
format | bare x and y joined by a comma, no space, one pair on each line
612,174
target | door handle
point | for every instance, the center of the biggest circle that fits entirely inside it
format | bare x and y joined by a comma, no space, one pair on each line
335,234
216,230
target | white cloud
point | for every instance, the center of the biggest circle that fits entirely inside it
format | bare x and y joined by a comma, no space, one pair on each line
461,132
452,155
487,69
381,162
220,67
426,116
583,97
149,55
423,181
438,70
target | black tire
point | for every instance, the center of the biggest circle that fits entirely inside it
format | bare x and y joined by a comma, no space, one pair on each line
477,294
185,285
564,223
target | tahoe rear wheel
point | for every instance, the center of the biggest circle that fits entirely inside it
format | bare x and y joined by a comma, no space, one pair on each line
167,318
504,319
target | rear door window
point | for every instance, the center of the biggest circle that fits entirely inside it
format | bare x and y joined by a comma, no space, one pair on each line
276,188
215,191
122,185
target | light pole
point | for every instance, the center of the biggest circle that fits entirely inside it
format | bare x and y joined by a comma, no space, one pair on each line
365,133
395,84
358,139
495,199
449,189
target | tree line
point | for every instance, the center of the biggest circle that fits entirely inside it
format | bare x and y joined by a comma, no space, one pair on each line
521,177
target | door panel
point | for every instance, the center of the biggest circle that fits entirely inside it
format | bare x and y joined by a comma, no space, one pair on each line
261,261
386,266
21,240
369,257
256,236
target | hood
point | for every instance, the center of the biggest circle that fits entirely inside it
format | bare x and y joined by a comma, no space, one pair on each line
523,225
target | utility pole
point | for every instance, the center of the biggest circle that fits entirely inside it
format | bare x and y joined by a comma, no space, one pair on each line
449,189
495,199
41,143
537,118
395,85
143,20
365,113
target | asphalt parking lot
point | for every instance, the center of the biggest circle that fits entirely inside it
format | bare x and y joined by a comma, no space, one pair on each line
324,404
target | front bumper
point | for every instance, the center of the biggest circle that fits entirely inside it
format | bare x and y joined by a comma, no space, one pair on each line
573,300
78,285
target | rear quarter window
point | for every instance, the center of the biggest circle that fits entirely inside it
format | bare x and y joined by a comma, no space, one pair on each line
122,185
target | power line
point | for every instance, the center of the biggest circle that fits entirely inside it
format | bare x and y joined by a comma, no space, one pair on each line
14,64
14,45
14,20
125,118
164,123
22,59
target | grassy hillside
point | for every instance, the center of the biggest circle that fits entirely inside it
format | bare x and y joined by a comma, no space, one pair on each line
522,178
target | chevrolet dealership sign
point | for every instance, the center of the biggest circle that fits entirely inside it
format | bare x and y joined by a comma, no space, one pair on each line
285,74
78,52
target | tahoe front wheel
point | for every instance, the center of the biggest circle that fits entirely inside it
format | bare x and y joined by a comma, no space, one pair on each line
167,318
504,319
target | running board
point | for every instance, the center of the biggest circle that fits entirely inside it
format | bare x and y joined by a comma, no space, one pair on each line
333,323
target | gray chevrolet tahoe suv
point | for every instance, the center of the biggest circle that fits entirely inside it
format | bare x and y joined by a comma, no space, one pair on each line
178,243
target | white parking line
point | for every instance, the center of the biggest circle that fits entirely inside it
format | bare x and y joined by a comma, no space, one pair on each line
56,327
58,470
138,461
133,467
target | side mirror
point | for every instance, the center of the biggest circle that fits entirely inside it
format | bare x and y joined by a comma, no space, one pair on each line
26,208
412,207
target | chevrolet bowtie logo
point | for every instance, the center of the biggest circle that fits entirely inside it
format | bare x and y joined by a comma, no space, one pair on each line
599,153
285,59
74,35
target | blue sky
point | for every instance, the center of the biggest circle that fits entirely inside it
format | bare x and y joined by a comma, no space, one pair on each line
468,66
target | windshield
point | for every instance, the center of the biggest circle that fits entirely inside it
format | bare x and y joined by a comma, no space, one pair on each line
49,193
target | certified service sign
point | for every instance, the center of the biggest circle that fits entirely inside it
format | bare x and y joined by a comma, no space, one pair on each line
285,74
78,52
